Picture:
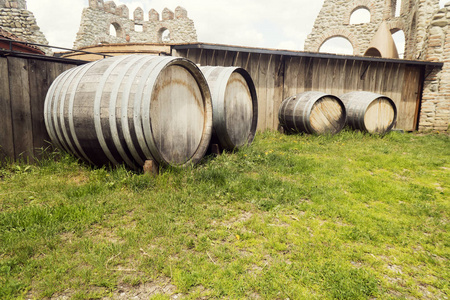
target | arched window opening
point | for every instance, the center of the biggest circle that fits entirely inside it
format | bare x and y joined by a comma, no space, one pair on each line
373,52
112,30
360,16
337,45
399,40
115,30
165,35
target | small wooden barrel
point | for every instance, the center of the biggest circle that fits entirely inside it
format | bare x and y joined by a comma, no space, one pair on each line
312,112
235,106
131,108
370,112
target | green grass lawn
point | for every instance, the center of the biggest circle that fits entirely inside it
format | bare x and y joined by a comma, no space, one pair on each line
350,216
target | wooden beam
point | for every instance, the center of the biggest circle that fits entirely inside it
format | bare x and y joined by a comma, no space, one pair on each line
21,108
6,129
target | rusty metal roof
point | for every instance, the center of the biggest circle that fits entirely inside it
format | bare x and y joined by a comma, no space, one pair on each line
10,36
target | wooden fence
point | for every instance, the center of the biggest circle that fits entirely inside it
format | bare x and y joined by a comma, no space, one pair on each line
281,74
24,82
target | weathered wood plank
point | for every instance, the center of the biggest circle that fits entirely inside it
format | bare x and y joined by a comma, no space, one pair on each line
340,77
409,102
374,77
194,55
302,69
258,67
420,77
229,58
270,90
40,82
352,77
20,108
309,73
397,96
381,73
288,77
279,86
212,56
327,81
202,59
316,73
365,74
385,81
224,59
6,129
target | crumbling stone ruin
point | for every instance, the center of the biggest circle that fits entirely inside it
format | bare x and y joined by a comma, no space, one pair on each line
427,37
435,107
104,22
334,21
16,19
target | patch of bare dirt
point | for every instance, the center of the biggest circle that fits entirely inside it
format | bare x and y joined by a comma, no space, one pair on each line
138,292
144,291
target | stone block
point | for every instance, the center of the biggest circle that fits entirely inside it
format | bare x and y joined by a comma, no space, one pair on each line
110,7
96,4
180,13
123,11
167,14
153,15
138,14
439,15
440,23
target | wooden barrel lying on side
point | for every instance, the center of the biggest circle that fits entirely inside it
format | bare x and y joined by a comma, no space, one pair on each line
131,108
312,112
235,105
370,112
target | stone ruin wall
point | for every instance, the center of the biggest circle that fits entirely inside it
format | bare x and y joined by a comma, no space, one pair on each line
427,37
435,106
334,21
16,19
96,21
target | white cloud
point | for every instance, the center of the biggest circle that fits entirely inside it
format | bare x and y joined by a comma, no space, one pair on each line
58,20
287,45
256,23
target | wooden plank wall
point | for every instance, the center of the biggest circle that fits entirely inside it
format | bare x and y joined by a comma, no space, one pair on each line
277,77
23,85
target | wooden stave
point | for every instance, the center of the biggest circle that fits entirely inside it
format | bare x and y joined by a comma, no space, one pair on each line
300,107
357,103
136,151
217,78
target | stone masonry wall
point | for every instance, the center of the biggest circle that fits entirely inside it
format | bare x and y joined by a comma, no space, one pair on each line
435,106
16,19
334,21
96,21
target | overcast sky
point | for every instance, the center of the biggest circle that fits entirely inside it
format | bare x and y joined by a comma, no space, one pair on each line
281,24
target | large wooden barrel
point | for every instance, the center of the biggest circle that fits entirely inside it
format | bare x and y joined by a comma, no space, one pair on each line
235,105
131,108
370,112
312,112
